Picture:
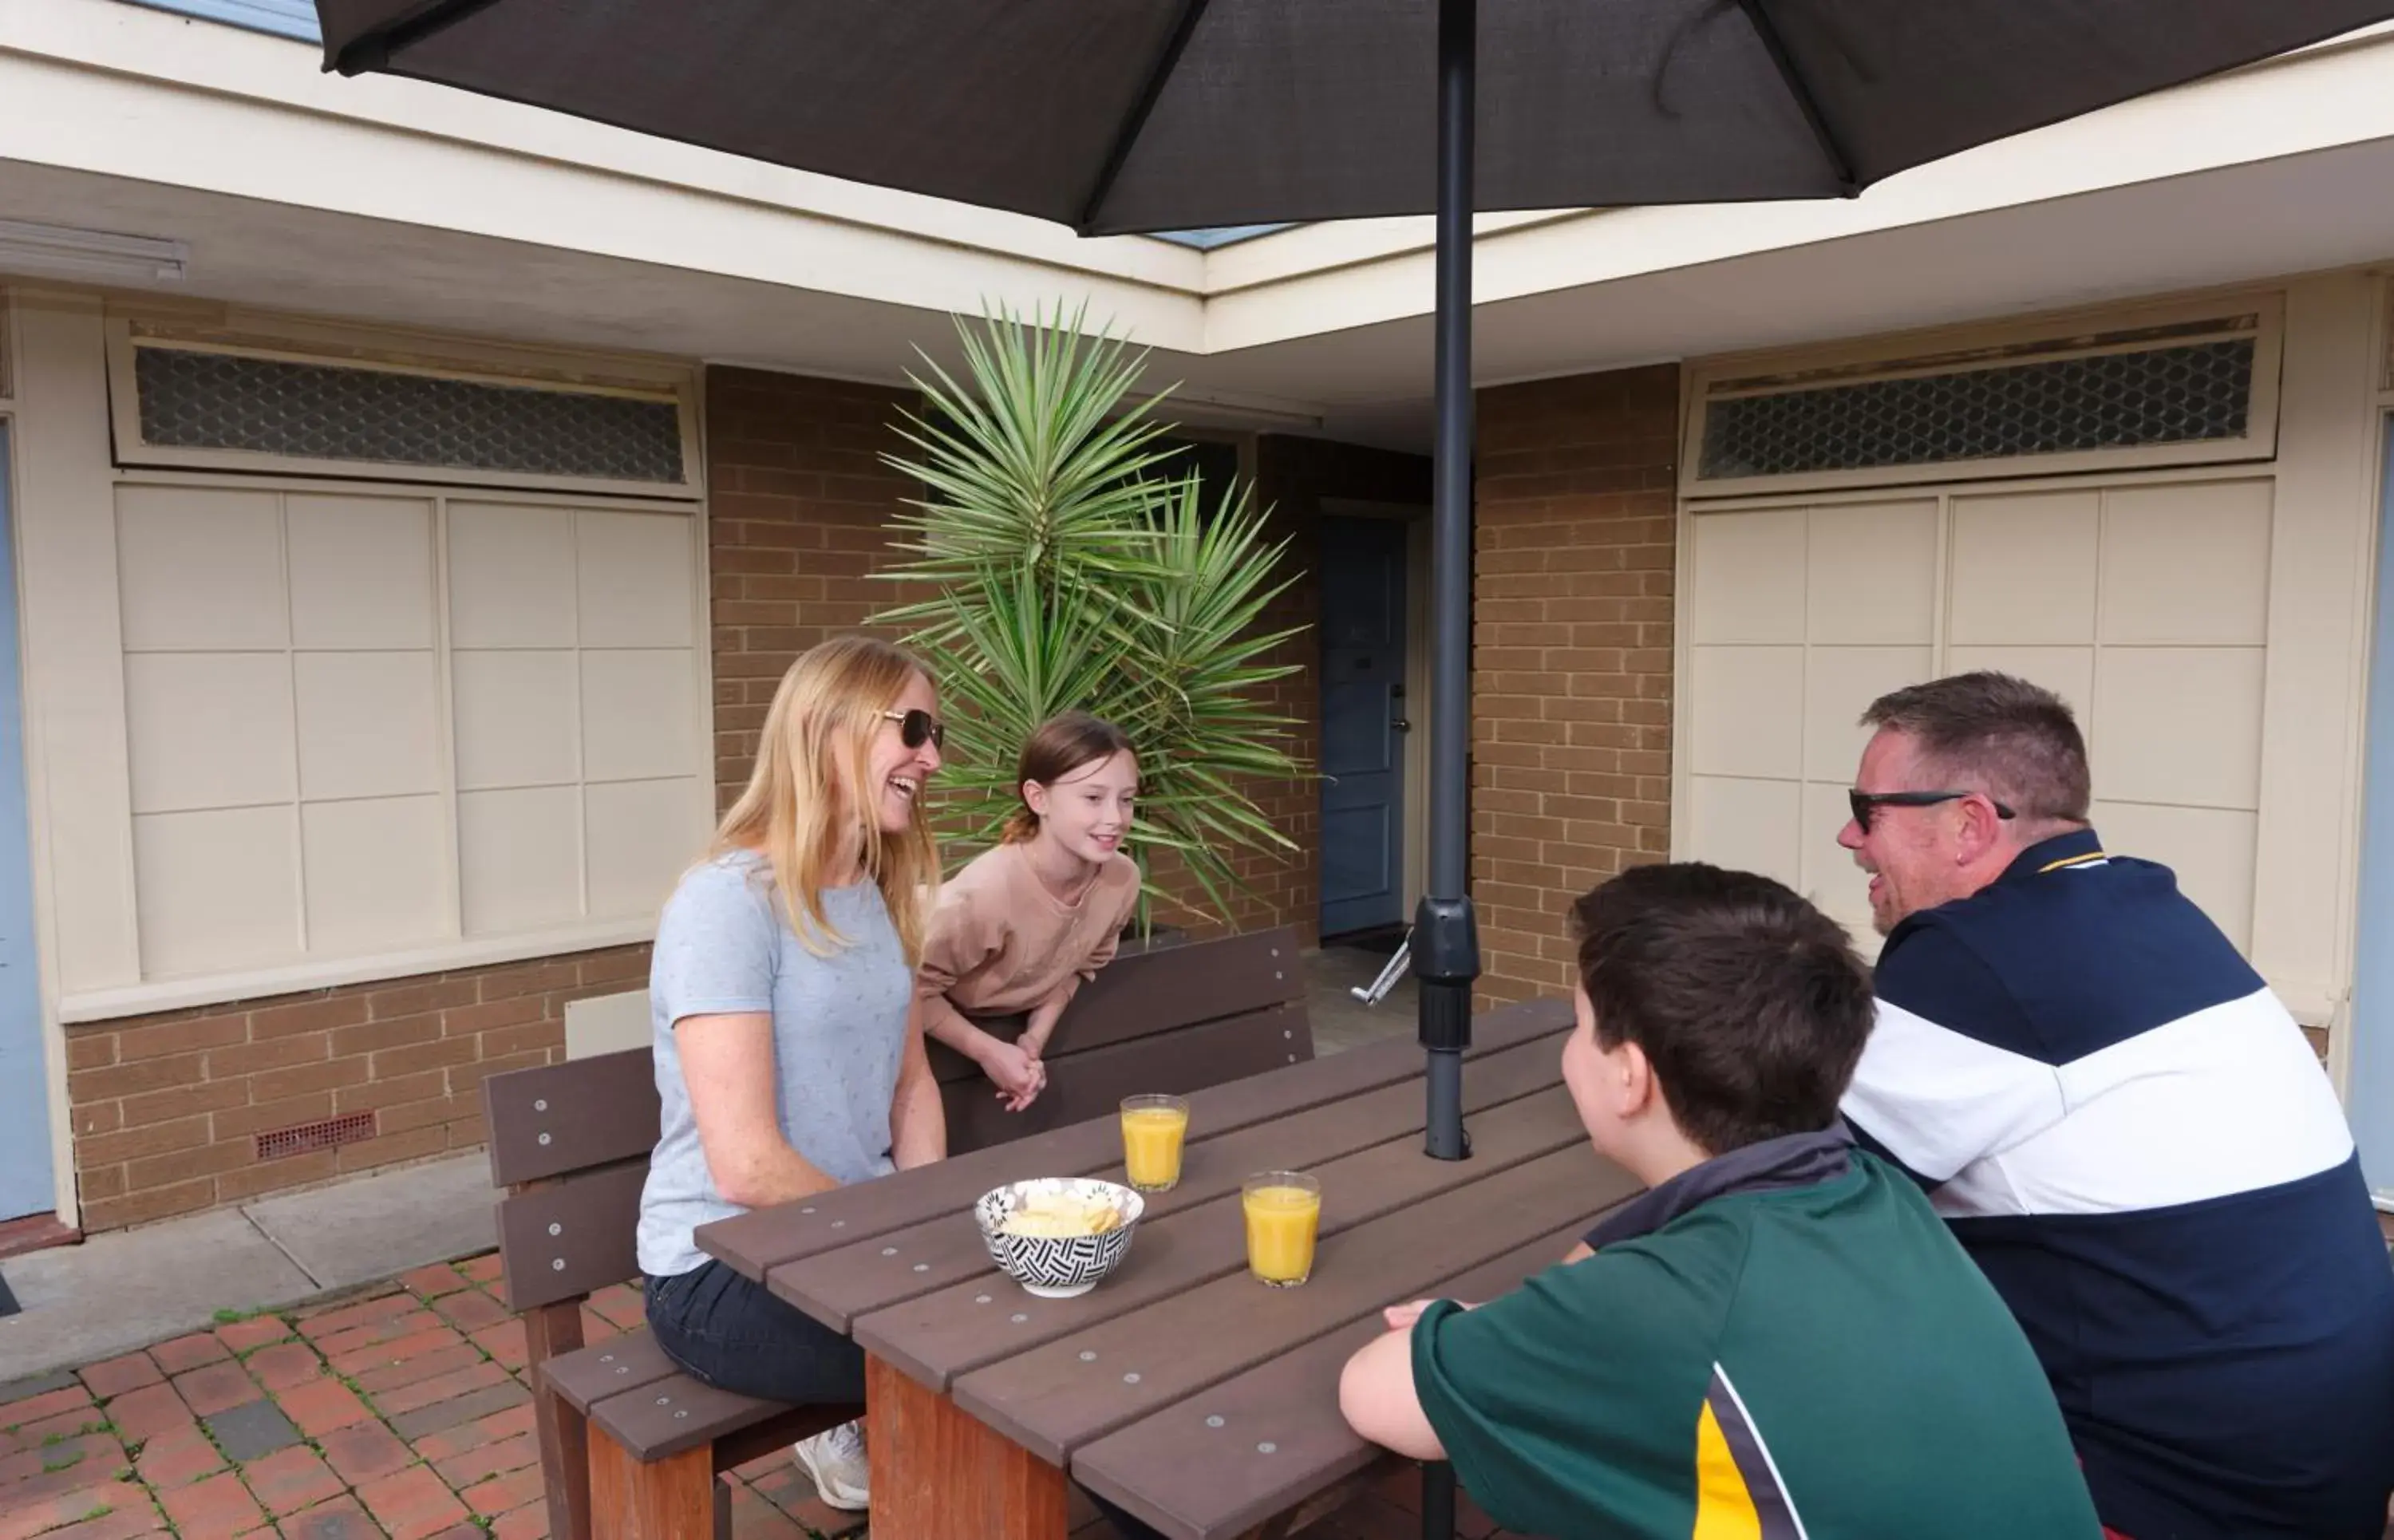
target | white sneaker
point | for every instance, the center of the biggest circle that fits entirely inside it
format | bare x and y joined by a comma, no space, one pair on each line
833,1460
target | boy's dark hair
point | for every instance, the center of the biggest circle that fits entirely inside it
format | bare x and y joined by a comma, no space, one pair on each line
1749,1002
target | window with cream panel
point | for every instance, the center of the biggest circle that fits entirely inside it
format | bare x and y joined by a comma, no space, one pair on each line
366,721
2143,602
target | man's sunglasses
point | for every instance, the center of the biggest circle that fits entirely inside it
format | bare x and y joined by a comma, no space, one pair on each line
918,726
1864,803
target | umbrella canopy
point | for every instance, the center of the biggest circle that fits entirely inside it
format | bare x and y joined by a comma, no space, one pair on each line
1121,115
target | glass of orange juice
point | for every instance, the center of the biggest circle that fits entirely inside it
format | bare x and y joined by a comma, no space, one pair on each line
1153,1128
1284,1212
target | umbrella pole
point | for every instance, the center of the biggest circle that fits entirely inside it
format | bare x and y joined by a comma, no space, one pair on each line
1446,937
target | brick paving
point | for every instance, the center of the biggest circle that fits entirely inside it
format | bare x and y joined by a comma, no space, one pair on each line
400,1412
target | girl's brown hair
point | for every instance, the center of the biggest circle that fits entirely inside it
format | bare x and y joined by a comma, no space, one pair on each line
829,709
1058,747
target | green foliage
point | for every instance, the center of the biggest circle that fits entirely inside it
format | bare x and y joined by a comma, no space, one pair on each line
1075,567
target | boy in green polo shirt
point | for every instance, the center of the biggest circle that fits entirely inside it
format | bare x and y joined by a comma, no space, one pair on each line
1779,1339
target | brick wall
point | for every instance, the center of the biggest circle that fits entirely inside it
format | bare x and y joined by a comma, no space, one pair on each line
166,1108
1570,656
799,513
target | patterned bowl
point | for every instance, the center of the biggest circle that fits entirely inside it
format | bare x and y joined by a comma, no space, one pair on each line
1057,1266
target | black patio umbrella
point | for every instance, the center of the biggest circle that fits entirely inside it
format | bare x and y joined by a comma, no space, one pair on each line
1114,116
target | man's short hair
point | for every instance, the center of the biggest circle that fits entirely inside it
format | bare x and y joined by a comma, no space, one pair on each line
1749,1002
2015,741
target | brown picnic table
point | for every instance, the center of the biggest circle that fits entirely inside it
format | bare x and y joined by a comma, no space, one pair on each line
1180,1387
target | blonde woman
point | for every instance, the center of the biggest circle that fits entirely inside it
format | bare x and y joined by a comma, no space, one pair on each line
789,1052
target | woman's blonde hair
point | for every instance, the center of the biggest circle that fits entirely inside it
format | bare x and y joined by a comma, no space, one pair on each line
831,702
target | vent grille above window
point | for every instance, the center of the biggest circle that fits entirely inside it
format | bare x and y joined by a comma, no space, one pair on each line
195,400
2108,401
2181,388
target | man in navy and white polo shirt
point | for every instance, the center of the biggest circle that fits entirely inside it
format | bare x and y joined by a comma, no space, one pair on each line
2124,1127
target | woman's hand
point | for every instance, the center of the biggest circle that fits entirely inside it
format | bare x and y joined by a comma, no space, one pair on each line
1017,1074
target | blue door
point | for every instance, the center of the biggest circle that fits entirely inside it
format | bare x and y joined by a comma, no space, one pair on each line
24,1084
2370,1099
1363,724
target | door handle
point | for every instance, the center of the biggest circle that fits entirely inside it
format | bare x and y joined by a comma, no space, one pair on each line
1400,725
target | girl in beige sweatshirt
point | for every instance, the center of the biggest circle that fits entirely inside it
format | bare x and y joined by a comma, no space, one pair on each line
1020,927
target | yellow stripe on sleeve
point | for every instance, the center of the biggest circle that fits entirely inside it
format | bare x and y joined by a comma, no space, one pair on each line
1724,1507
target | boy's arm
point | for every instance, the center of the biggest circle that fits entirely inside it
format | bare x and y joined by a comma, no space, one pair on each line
1376,1393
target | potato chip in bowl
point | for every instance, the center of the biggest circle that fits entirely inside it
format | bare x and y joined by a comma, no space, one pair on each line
1058,1235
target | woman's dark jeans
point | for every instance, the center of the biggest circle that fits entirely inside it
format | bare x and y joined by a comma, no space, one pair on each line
735,1336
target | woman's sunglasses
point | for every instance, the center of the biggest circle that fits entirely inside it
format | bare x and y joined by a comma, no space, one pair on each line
1864,803
919,726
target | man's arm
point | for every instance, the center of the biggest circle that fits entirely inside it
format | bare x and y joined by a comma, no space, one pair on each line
728,1063
919,1123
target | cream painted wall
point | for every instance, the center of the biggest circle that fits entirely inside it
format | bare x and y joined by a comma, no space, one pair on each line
74,688
80,786
607,1023
2318,515
2305,876
78,791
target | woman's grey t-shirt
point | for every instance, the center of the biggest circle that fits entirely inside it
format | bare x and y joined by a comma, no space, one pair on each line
724,946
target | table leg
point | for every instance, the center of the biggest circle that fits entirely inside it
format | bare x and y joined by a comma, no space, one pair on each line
941,1474
667,1499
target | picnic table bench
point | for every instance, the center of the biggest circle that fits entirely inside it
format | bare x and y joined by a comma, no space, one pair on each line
630,1444
1198,1401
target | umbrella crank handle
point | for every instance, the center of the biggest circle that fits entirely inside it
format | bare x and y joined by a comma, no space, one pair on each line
1377,990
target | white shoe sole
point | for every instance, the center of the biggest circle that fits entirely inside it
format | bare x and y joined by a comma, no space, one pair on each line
833,1493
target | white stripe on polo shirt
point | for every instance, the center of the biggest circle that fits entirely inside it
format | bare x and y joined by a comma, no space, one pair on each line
2221,1101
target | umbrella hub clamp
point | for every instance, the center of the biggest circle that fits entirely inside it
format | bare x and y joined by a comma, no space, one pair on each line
1445,947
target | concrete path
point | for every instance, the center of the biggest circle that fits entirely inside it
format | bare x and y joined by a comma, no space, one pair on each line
121,1291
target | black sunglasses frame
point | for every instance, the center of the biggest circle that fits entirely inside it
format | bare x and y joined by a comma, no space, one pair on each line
1864,804
917,725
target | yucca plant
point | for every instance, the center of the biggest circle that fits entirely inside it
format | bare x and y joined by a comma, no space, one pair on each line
1072,566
